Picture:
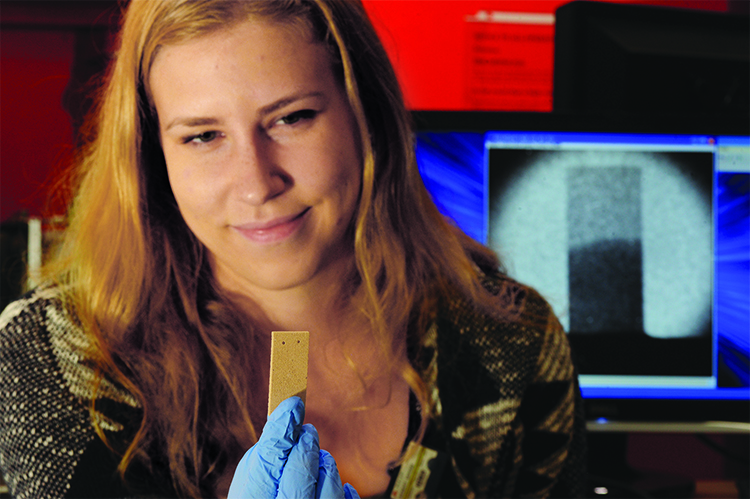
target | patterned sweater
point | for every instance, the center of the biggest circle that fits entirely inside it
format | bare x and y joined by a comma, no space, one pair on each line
507,406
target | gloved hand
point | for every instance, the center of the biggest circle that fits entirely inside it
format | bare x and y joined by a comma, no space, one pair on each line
287,462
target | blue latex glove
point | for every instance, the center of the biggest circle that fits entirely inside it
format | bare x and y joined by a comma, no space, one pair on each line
287,462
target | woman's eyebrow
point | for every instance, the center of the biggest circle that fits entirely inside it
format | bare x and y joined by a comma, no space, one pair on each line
191,122
281,103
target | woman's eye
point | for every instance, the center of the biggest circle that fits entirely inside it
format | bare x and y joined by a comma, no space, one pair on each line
202,138
296,117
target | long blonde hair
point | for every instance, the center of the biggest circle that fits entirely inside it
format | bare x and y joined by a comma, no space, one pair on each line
139,282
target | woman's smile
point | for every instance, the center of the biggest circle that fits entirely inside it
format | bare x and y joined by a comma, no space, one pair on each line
275,230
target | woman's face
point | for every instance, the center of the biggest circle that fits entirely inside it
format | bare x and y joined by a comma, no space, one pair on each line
262,152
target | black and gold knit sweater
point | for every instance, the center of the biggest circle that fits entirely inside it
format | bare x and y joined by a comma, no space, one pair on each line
507,408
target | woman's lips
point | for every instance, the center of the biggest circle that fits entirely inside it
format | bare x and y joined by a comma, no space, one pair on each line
274,230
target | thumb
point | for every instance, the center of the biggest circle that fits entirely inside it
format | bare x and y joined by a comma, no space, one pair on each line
258,473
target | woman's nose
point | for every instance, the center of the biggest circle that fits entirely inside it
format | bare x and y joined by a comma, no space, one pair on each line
261,178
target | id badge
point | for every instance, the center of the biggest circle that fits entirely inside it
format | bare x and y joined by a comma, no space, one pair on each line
419,476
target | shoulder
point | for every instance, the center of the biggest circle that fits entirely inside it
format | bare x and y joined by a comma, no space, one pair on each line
479,357
508,391
518,342
38,326
46,384
28,328
27,308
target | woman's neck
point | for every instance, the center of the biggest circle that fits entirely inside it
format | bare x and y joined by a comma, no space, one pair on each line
319,305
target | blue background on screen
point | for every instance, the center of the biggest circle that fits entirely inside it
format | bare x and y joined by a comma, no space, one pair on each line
732,255
452,166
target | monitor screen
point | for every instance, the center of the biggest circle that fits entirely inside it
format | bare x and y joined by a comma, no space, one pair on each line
636,231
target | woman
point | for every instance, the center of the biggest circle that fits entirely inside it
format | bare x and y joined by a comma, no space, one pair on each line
251,169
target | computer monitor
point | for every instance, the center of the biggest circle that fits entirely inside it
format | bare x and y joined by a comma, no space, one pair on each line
646,59
636,230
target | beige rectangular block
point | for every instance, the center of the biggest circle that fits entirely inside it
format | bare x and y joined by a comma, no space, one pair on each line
288,376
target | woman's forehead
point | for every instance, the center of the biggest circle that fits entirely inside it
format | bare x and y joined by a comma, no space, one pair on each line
295,25
298,28
253,63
